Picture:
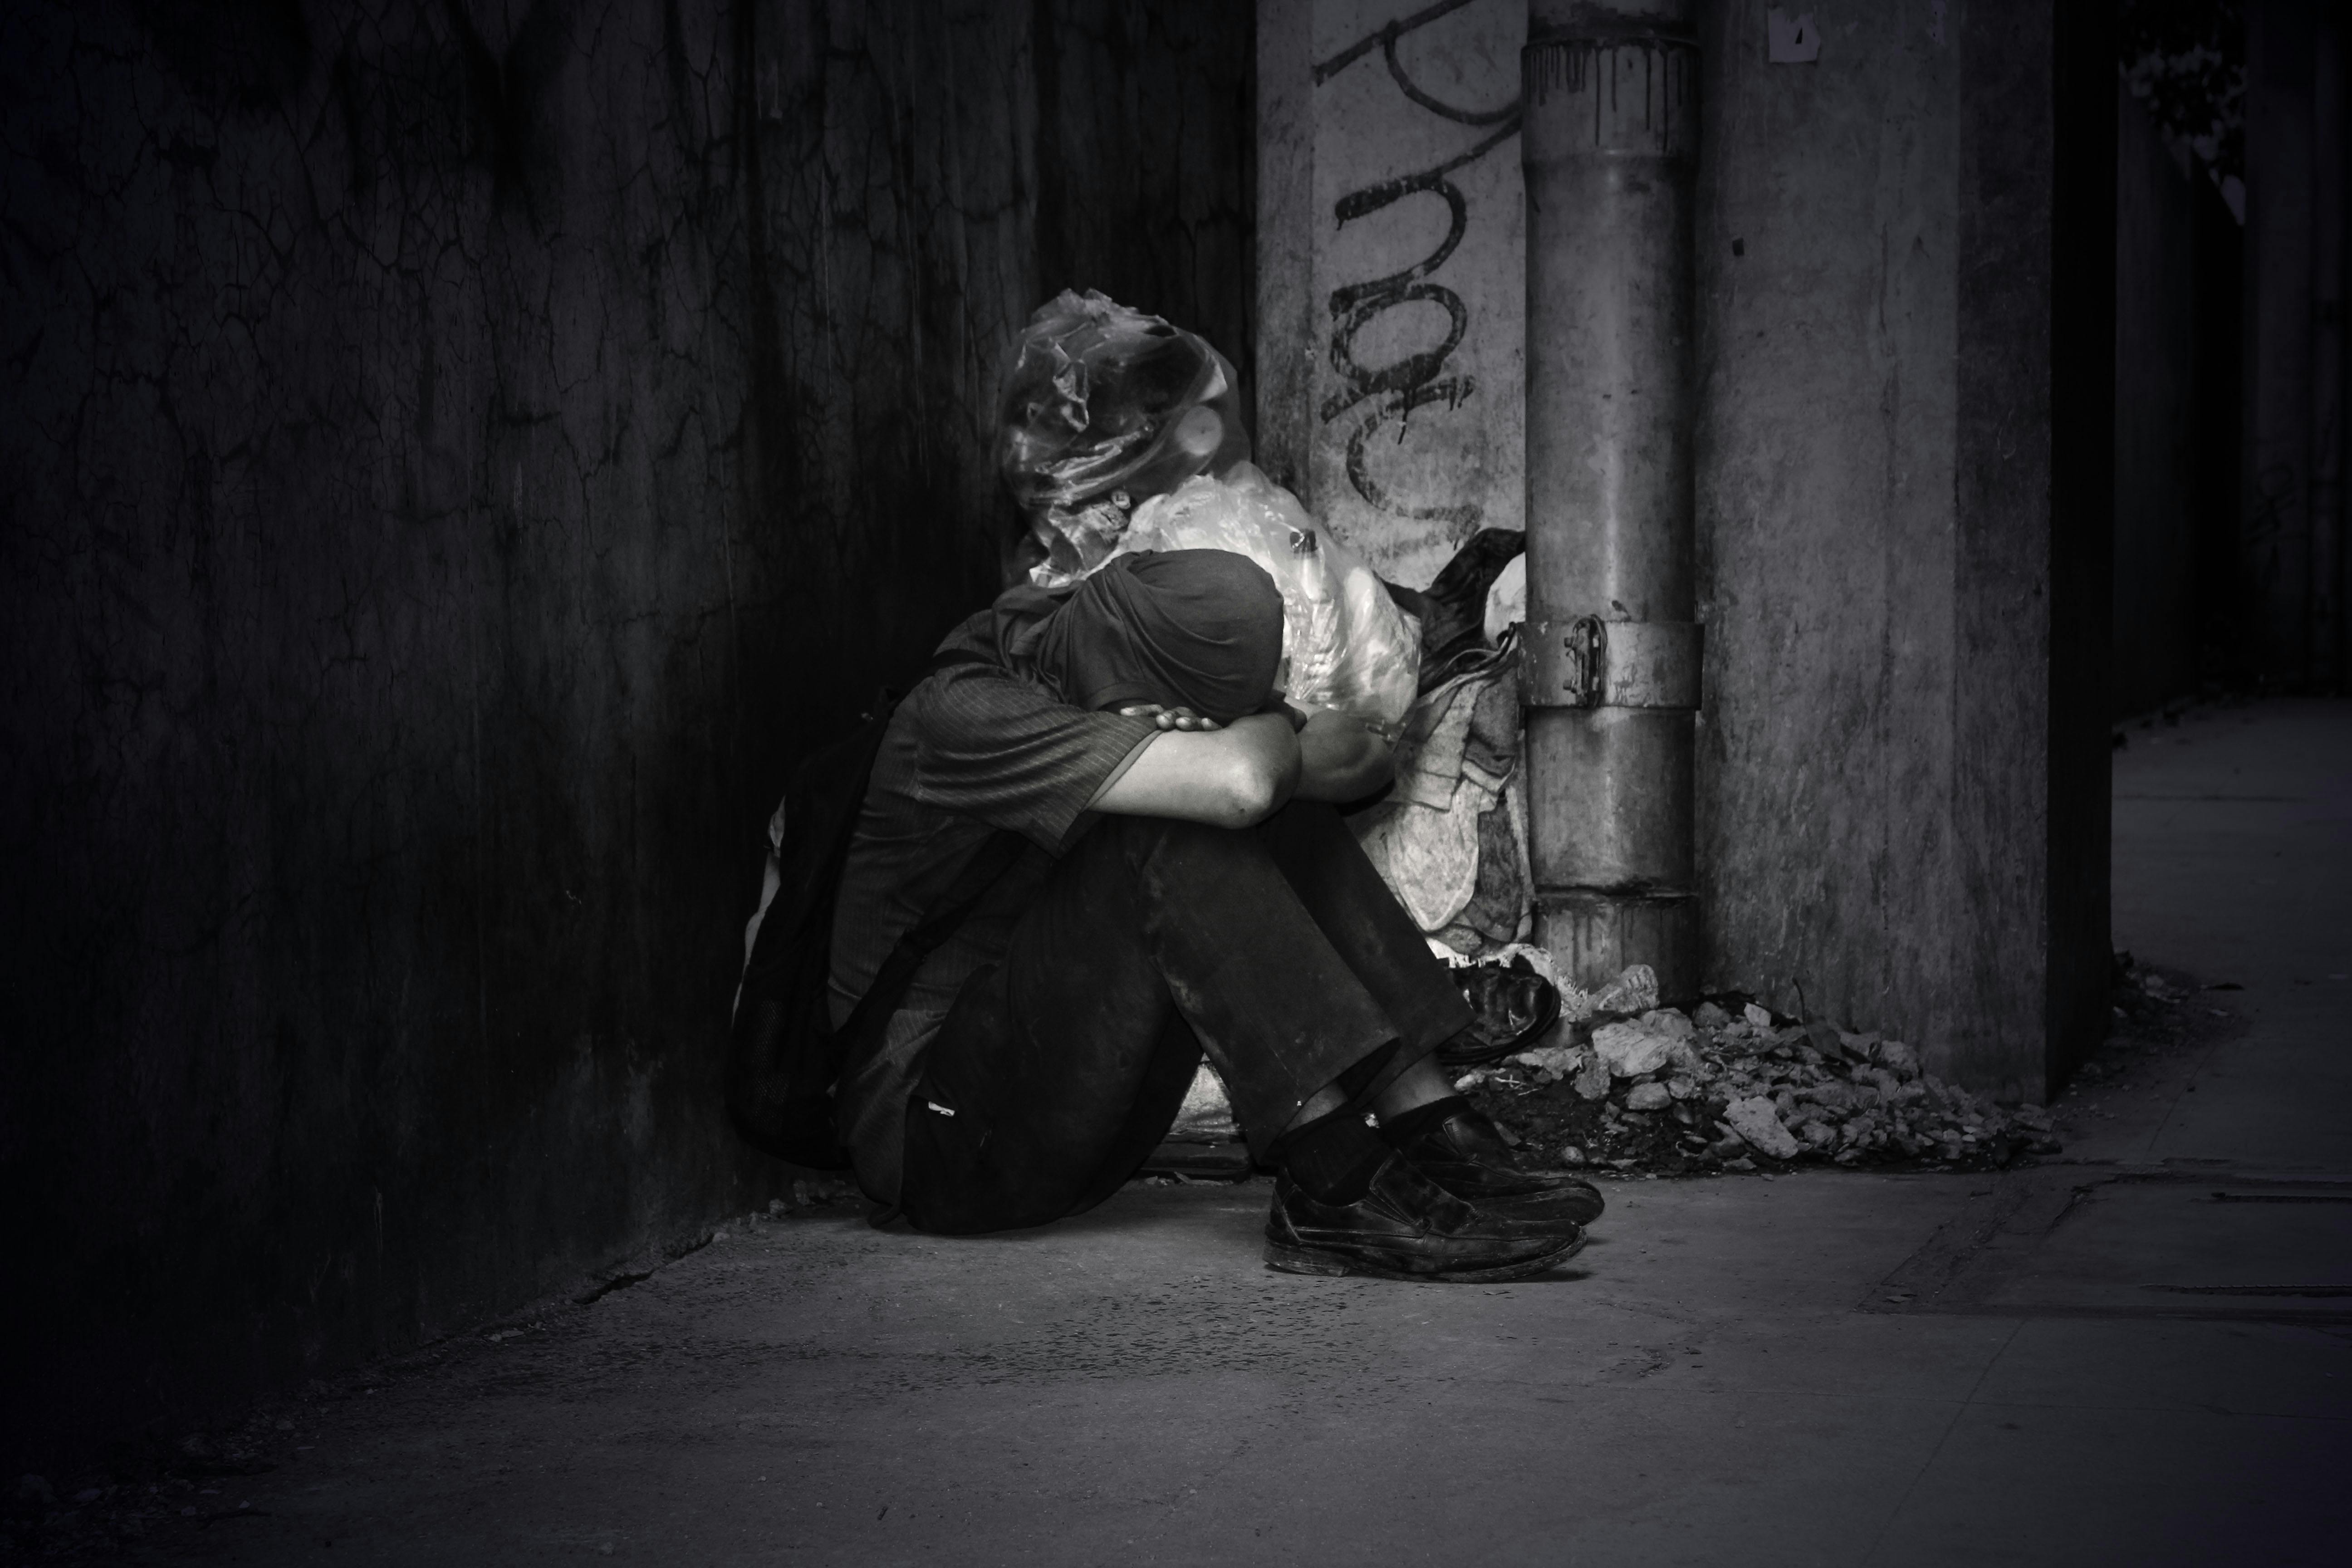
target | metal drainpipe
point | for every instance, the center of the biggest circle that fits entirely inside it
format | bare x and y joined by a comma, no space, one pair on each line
1613,652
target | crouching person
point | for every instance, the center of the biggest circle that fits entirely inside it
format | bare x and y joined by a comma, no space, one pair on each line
1174,879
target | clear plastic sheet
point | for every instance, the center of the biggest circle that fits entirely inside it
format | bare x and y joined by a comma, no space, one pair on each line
1346,644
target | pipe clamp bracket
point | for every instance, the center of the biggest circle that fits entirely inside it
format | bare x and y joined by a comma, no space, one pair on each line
1587,662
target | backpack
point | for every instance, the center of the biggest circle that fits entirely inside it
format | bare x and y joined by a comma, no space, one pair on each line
784,1054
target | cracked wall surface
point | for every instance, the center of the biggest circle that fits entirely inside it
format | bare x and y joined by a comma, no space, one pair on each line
455,458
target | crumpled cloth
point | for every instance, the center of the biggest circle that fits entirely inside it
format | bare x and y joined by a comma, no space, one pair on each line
1451,839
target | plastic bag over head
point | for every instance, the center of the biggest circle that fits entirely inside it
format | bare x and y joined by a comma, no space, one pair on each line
1106,407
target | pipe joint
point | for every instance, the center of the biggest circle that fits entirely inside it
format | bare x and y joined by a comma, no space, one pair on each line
1589,662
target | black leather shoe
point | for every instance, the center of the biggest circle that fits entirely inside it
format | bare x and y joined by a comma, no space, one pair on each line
1509,1007
1406,1227
1466,1155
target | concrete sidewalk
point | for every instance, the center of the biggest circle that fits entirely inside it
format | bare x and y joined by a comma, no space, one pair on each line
2135,1355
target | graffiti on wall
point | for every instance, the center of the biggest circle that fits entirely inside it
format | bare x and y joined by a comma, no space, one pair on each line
1397,328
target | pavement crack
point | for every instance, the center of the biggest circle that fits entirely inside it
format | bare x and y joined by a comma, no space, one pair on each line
1943,1437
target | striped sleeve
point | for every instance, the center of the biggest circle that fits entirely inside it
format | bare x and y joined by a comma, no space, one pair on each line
1004,750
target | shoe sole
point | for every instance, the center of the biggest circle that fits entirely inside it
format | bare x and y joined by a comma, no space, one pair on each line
1535,1205
1293,1257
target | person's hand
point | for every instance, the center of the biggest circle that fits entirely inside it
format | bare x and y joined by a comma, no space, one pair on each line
1177,717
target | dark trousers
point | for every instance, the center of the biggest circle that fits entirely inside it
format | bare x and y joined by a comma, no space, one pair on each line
1275,949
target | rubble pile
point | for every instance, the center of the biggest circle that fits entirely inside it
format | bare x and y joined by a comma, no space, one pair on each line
1671,1091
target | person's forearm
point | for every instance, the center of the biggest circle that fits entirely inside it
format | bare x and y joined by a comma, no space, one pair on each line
1277,755
1235,776
1340,760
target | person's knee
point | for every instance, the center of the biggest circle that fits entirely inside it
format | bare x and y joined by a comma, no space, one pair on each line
1141,838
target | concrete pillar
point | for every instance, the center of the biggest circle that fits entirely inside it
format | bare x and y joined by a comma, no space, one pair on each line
2324,668
1610,146
2277,506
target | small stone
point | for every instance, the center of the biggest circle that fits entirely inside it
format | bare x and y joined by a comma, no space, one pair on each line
1591,1079
1571,1155
1649,1096
1743,1163
1817,1134
1670,1021
1757,1120
1631,1049
1557,1061
1756,1016
1899,1059
1682,1086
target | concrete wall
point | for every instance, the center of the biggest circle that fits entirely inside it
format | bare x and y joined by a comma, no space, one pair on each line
1393,271
2217,413
1905,530
453,459
1880,516
2292,576
1829,553
1897,822
2063,79
2157,592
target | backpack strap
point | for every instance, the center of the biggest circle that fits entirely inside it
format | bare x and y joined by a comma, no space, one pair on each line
980,873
